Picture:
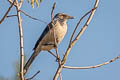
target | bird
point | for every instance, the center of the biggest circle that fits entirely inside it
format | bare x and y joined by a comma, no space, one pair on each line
53,34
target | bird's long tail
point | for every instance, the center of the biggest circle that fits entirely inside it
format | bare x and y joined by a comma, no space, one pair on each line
29,62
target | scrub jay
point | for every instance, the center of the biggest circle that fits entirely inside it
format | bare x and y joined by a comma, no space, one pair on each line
54,30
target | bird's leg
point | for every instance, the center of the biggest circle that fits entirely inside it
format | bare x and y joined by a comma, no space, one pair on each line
58,57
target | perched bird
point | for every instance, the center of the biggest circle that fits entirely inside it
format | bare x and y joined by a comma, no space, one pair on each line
54,31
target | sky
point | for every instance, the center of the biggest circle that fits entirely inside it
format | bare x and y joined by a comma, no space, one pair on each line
99,43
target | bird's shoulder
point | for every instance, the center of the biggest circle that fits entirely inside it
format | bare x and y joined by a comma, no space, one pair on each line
46,30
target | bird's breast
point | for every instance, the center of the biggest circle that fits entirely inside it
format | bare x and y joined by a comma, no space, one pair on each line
60,31
57,32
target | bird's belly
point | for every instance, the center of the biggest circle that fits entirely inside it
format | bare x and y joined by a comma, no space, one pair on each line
47,47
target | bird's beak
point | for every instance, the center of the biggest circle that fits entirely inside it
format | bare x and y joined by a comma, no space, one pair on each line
70,17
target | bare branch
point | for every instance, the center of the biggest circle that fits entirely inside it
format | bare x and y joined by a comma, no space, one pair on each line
10,16
7,12
33,75
60,76
81,31
54,5
18,6
56,45
74,41
33,17
10,1
85,26
20,3
78,24
96,66
53,54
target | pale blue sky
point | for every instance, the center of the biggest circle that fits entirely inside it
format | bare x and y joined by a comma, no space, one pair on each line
99,43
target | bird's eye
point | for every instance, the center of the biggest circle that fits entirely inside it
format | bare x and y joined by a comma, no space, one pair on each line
61,16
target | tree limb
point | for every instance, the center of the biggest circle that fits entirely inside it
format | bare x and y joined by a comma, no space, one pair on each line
52,54
11,16
95,66
54,5
18,6
78,24
7,12
10,1
74,41
32,17
33,75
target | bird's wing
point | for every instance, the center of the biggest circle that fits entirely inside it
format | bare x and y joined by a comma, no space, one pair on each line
46,30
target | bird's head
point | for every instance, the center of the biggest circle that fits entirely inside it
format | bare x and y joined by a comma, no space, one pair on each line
63,16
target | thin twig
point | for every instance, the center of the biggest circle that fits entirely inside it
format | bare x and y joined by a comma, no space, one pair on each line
54,5
81,31
33,75
10,16
33,17
28,14
96,66
20,3
73,42
56,45
85,26
78,24
56,49
10,1
7,12
52,54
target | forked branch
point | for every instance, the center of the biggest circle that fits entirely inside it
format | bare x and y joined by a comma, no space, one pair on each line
71,44
7,12
18,6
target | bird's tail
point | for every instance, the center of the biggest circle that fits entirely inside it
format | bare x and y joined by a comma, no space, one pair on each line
29,62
